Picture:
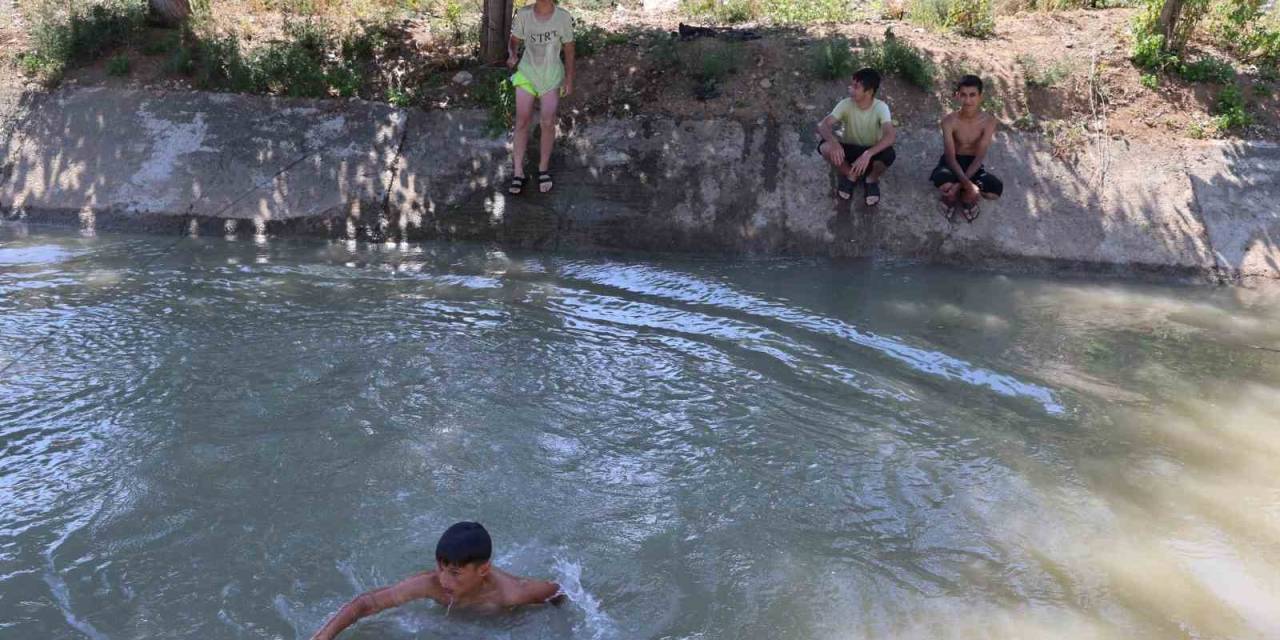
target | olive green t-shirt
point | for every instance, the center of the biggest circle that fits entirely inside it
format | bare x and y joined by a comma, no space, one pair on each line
861,127
542,40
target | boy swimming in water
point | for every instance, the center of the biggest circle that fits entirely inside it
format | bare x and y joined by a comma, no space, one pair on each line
966,136
865,147
464,577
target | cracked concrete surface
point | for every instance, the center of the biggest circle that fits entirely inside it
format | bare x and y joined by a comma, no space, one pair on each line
218,163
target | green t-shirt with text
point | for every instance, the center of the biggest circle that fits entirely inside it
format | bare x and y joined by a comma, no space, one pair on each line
861,127
542,39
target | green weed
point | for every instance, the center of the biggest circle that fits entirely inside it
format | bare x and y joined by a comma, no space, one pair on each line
1229,110
833,58
118,65
1207,69
1038,75
1150,81
894,57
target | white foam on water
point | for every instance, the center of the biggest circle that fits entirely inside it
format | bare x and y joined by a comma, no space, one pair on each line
596,624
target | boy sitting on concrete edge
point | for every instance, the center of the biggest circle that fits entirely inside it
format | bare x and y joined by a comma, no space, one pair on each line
464,577
966,136
865,147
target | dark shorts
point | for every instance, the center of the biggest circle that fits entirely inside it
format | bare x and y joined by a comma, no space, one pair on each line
986,182
852,151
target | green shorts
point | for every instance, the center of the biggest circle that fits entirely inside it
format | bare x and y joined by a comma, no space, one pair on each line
520,81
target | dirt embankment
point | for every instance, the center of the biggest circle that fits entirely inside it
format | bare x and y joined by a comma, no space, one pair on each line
1064,75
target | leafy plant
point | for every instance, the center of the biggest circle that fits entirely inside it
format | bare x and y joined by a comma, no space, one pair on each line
1229,110
1207,69
894,57
1038,75
118,65
1150,81
833,58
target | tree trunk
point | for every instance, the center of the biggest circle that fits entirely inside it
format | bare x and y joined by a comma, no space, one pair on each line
495,28
170,13
1169,24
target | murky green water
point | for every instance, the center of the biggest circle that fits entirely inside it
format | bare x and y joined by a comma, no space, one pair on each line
228,439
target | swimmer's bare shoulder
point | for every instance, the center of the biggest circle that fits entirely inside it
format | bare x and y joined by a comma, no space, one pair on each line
516,591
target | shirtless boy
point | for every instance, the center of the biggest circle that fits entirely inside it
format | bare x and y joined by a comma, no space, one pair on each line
966,136
464,577
865,147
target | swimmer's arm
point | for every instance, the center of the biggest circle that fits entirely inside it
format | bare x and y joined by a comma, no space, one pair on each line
949,151
371,602
988,132
542,592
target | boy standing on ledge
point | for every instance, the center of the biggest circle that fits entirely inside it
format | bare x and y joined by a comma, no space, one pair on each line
464,577
545,30
966,136
865,147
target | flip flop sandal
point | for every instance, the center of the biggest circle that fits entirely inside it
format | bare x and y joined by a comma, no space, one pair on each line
544,181
948,211
970,213
844,188
517,185
873,191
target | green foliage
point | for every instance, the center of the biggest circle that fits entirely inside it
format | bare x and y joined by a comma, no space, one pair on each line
1039,75
1150,81
665,53
931,14
808,11
592,39
79,33
725,11
712,61
833,58
494,91
1229,110
364,45
158,46
972,18
1244,28
774,11
453,18
118,65
1196,131
894,57
1207,69
1262,90
1151,49
399,97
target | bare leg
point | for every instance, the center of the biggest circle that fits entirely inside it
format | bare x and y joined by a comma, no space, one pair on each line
843,168
524,116
550,101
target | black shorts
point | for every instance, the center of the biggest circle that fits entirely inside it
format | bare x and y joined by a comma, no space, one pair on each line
987,183
852,151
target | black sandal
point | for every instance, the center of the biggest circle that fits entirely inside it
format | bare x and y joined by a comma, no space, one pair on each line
970,213
517,185
873,191
844,187
544,181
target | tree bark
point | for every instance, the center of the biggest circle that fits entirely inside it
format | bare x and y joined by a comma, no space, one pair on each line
495,28
170,13
1169,24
